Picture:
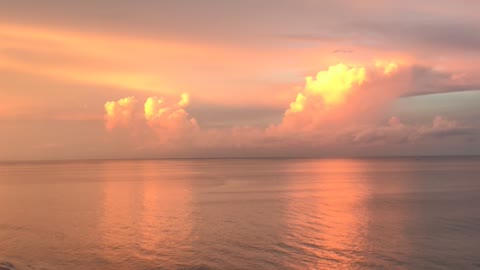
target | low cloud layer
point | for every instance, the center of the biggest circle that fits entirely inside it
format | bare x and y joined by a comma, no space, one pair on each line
397,132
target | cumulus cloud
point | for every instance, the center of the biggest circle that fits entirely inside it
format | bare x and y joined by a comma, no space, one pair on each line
333,85
343,93
338,108
169,120
326,90
343,105
119,113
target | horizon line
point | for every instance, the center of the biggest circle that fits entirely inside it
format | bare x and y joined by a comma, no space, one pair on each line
238,158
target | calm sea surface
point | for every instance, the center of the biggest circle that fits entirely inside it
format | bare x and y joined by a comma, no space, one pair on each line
411,213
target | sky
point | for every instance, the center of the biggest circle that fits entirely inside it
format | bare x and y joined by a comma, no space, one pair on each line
209,78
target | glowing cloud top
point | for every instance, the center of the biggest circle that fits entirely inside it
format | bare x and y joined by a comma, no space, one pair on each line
119,113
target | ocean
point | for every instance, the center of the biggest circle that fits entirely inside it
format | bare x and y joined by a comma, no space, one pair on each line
379,213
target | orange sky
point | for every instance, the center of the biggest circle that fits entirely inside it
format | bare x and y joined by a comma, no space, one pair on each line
288,78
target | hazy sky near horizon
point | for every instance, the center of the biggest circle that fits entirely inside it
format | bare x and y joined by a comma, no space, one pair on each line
209,78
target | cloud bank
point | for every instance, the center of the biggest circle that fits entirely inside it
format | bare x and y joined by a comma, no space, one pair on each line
340,107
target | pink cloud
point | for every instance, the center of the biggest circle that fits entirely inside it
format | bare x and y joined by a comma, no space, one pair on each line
338,108
169,118
119,113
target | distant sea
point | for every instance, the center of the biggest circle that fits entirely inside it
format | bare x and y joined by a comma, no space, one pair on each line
393,213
